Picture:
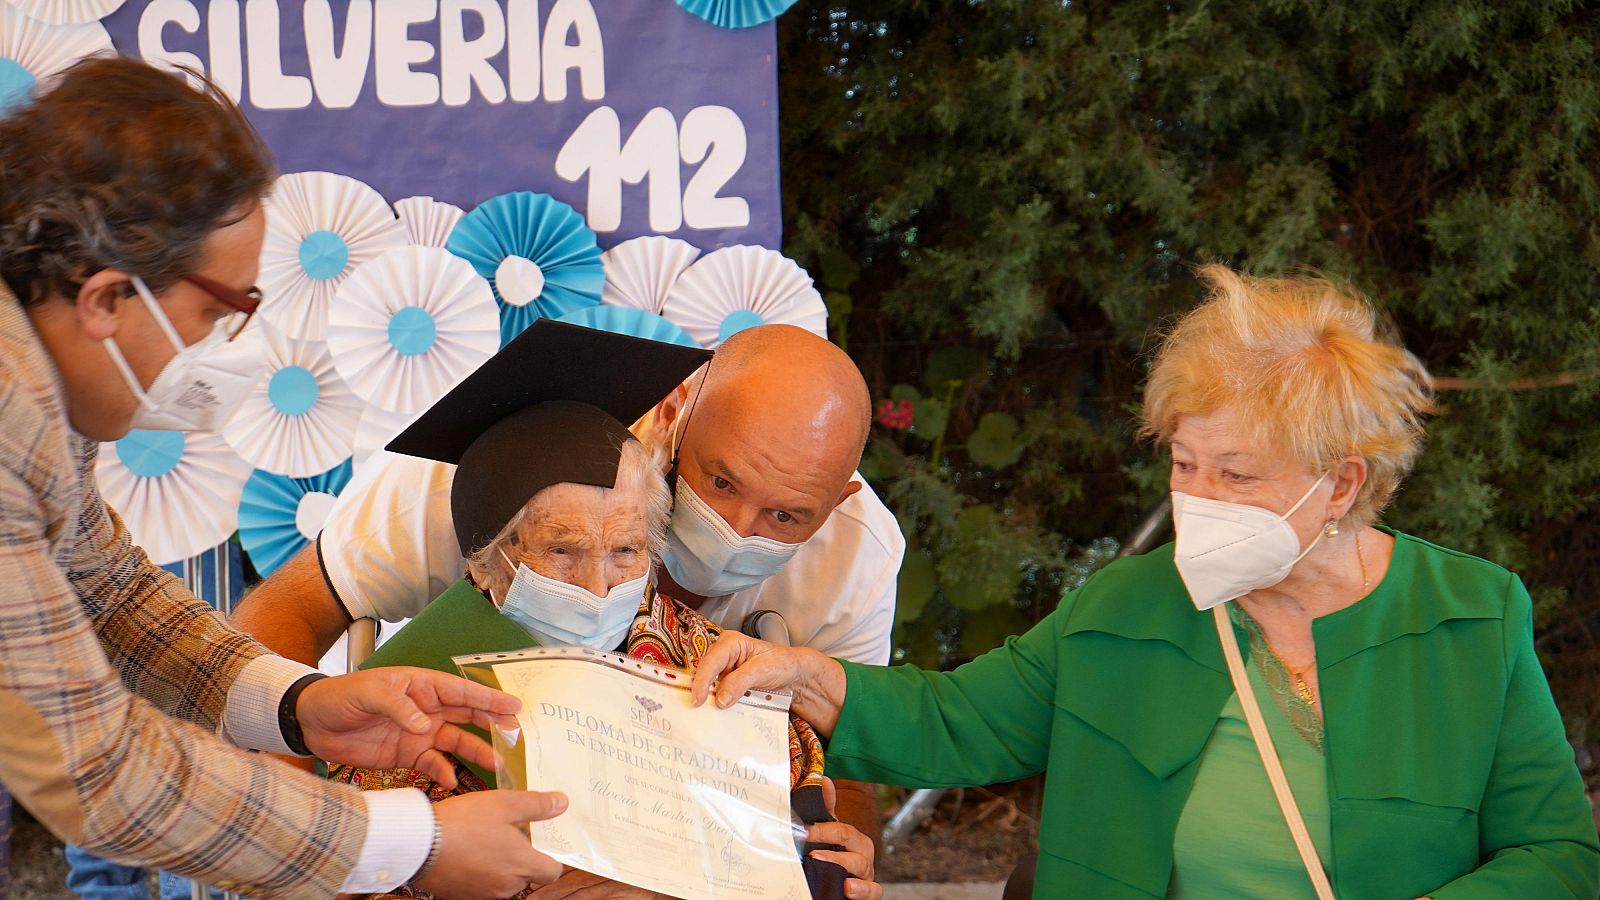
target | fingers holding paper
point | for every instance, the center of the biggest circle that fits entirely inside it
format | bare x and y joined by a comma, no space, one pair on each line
736,664
483,852
858,855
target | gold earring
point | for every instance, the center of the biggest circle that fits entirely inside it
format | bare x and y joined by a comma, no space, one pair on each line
1331,528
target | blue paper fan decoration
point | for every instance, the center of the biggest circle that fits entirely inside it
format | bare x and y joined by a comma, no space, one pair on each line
537,253
279,515
635,322
736,13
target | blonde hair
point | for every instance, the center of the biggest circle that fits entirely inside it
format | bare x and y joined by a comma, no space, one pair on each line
639,470
1307,365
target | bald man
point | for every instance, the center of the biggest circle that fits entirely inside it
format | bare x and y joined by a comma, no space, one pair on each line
767,439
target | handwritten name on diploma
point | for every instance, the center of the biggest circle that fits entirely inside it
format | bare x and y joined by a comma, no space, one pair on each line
605,790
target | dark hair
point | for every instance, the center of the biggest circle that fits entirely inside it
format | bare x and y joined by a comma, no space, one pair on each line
121,165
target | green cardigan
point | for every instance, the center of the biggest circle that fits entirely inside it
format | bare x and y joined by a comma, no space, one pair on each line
1448,770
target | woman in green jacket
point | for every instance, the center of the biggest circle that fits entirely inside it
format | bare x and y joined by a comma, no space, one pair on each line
1419,749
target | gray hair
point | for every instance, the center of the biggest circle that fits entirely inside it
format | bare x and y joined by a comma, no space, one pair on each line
638,470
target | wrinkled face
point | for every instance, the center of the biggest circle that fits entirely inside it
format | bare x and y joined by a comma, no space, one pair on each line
592,537
1213,457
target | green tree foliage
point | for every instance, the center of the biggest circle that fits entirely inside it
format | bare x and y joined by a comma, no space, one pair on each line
1004,197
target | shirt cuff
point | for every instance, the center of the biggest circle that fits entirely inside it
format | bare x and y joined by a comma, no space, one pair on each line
250,715
399,838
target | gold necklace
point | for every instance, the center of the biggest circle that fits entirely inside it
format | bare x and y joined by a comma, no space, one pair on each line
1361,561
1300,686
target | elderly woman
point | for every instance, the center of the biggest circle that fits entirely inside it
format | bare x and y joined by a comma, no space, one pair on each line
1404,707
561,515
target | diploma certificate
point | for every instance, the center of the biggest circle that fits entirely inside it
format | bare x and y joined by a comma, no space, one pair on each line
690,802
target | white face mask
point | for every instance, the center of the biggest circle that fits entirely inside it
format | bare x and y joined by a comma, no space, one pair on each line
200,387
1227,550
559,613
705,555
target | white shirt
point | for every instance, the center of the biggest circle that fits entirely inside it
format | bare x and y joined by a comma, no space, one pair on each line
388,548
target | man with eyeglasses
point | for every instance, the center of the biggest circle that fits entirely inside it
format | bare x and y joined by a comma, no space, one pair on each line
130,226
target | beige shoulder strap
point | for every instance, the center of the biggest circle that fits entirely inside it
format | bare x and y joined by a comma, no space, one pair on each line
1269,755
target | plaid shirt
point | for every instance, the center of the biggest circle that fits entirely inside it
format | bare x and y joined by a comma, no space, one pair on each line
113,679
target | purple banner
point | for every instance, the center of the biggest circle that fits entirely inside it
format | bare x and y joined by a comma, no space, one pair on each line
643,117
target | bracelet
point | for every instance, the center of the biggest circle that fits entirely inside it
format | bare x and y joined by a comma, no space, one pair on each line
288,721
433,852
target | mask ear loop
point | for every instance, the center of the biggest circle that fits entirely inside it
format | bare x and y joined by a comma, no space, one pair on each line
1307,495
677,438
1292,510
156,312
132,380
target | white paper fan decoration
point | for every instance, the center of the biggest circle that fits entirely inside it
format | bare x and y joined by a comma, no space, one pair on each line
735,288
427,221
33,52
640,272
320,228
377,428
300,419
178,492
67,12
405,327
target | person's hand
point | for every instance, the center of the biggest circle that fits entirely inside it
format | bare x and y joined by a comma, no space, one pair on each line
401,716
744,663
483,853
576,884
856,857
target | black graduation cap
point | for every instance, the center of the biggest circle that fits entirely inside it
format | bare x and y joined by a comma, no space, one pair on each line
552,406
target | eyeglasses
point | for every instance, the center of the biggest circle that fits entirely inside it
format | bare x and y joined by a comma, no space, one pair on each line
244,302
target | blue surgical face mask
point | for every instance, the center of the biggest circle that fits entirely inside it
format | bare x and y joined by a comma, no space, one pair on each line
559,613
705,555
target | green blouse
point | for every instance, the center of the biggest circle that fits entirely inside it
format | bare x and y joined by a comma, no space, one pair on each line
1445,762
1232,840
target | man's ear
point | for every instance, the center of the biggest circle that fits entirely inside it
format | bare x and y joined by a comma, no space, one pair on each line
849,489
668,410
101,303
